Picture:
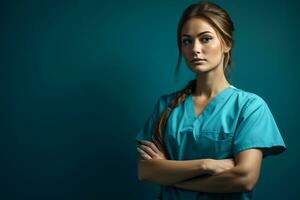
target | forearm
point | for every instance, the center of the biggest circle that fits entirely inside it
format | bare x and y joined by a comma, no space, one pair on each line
169,172
232,180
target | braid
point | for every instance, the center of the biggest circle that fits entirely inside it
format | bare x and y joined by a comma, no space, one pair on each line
161,122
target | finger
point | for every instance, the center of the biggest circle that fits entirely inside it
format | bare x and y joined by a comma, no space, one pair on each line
148,150
159,146
143,154
145,157
152,145
148,143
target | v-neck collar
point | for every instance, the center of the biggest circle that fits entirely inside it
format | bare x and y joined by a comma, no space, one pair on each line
207,109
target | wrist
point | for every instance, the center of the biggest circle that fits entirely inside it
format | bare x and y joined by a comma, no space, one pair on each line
206,166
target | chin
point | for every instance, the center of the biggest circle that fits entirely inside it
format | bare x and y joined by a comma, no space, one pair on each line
200,68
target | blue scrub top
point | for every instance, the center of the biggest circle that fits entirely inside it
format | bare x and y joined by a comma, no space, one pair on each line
233,121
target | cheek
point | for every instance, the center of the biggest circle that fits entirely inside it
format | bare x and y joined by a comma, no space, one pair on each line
184,50
213,50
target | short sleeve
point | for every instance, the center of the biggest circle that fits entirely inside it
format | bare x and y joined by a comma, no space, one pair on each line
257,129
145,133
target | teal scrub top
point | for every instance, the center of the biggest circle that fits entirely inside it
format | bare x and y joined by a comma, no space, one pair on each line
233,121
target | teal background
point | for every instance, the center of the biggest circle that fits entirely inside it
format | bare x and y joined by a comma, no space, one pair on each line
79,79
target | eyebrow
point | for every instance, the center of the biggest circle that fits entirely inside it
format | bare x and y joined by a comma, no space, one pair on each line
186,35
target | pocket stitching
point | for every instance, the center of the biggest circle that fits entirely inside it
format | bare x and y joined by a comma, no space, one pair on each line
227,136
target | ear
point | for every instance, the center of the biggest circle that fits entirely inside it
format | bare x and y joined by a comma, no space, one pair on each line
227,48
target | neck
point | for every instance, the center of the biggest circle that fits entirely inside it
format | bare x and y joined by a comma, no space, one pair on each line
210,83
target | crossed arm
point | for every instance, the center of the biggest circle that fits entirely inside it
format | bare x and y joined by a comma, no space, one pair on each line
201,175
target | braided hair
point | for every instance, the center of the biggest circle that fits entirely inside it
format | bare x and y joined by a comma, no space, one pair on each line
161,122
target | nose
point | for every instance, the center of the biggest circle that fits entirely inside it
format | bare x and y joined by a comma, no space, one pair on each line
196,47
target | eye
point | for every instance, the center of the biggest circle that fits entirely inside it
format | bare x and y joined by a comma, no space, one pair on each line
206,39
186,41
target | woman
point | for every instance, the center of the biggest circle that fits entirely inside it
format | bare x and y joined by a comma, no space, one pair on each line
207,141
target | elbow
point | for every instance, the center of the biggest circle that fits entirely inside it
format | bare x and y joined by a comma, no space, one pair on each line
142,175
246,188
248,184
146,173
139,175
246,180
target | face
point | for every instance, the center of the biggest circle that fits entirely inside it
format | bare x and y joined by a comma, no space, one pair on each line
200,41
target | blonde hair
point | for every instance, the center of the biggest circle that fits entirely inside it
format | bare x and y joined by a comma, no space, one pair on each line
219,19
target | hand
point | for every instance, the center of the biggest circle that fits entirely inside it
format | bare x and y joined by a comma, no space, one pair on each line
148,150
217,166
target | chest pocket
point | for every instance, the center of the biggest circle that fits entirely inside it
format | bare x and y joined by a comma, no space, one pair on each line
215,144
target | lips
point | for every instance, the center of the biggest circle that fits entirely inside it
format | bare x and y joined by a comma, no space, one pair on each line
197,60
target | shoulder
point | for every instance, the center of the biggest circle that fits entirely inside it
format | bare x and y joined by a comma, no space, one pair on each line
167,98
248,101
163,101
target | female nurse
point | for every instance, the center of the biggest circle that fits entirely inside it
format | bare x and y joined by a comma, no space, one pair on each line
207,141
